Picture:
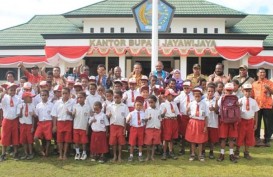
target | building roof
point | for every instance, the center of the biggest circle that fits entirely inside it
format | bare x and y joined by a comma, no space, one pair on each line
29,34
256,24
184,8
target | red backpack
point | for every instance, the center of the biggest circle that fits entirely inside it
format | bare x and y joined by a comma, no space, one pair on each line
229,110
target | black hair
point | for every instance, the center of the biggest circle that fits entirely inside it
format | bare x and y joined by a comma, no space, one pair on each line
24,78
82,93
10,72
109,91
118,92
66,89
235,81
101,66
259,69
45,91
49,73
219,82
153,98
93,84
97,103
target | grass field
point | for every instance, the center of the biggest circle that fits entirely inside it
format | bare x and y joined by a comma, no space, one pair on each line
260,165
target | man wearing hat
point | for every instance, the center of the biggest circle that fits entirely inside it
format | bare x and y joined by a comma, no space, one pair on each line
34,77
196,75
243,77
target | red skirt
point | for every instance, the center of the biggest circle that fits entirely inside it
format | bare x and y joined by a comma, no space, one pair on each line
195,131
246,133
99,143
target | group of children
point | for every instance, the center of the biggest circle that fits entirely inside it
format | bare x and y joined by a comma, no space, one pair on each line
80,114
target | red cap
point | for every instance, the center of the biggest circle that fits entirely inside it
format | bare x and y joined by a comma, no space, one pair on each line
78,84
58,88
11,85
84,76
27,94
70,80
170,91
144,88
139,99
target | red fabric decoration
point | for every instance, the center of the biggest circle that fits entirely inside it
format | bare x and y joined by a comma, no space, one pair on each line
236,53
260,60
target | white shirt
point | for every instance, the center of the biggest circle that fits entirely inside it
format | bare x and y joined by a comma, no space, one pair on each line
253,107
212,116
118,112
182,99
37,99
10,112
105,105
203,110
101,122
60,110
155,115
43,111
128,97
25,119
82,116
134,118
91,99
167,105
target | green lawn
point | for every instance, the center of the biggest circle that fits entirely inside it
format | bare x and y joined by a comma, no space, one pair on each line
261,165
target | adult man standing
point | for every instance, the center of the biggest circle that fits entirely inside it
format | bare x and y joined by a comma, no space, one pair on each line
160,73
262,90
112,76
243,76
218,75
196,75
34,77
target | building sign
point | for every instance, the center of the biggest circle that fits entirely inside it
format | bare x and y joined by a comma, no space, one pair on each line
143,15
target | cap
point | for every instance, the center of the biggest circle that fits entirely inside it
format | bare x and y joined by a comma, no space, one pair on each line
144,78
124,79
139,99
84,76
229,86
27,94
78,84
35,67
58,88
176,70
170,91
247,86
5,85
196,66
70,80
117,81
11,85
197,89
43,83
187,83
27,85
93,78
132,80
144,88
243,67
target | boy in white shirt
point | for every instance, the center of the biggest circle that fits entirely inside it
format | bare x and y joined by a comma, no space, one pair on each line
108,101
93,96
130,95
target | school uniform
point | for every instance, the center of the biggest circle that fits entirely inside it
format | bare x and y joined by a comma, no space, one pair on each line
195,129
10,123
131,97
64,120
91,99
183,100
246,125
117,123
20,93
105,105
213,121
152,134
80,123
169,124
137,124
26,123
44,125
38,99
99,144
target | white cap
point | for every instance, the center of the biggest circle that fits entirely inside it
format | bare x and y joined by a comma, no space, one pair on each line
124,79
198,89
247,86
229,86
132,80
144,78
27,85
187,83
92,78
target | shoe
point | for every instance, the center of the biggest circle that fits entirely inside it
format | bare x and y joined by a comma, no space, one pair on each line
232,158
182,152
30,156
211,155
93,158
83,157
101,160
192,158
16,156
204,153
259,143
130,159
77,156
140,158
173,156
202,158
237,154
267,144
10,150
247,156
221,158
3,158
24,157
164,156
55,152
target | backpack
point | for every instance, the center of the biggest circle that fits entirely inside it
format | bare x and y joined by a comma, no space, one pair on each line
229,110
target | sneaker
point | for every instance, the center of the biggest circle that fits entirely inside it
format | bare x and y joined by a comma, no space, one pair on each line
130,159
83,157
93,158
204,153
101,160
202,158
173,156
3,158
140,158
259,143
237,154
164,156
211,155
221,158
247,156
10,150
16,156
182,152
232,158
24,157
77,156
192,158
30,156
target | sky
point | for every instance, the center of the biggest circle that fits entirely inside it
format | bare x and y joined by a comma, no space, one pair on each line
16,12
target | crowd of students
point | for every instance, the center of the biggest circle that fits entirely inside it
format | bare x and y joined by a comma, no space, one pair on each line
90,114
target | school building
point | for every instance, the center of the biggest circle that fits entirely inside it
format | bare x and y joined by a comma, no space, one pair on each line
108,32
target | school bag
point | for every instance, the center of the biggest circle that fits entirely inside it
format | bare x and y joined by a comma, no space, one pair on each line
229,110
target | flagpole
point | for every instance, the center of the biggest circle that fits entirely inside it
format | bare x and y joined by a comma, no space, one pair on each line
154,34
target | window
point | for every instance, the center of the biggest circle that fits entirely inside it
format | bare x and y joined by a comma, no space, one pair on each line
137,30
93,62
194,30
101,30
113,62
3,72
91,30
184,30
216,30
205,30
121,30
112,30
170,30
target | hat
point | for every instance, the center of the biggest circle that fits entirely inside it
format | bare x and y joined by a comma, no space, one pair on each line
144,78
27,85
5,85
132,81
144,88
27,94
243,67
118,81
170,91
229,86
84,76
196,66
35,67
198,89
43,83
92,78
58,88
70,80
124,79
176,70
187,83
11,85
139,99
247,86
78,84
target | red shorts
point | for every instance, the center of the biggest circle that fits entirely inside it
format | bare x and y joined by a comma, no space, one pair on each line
170,129
117,136
195,131
246,133
99,143
228,130
183,125
10,132
80,136
152,136
44,130
136,136
64,131
26,137
213,134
